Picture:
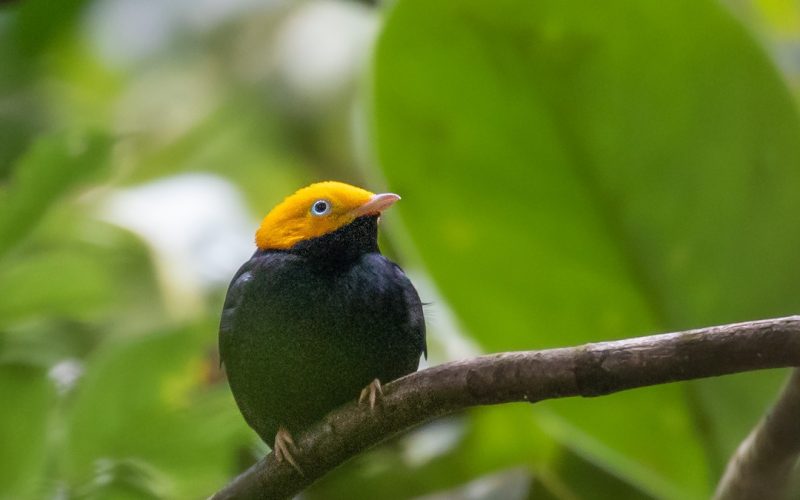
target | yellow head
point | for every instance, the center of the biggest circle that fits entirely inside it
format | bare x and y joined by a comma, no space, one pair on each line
315,210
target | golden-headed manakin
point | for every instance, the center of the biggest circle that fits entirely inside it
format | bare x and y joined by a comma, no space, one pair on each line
317,313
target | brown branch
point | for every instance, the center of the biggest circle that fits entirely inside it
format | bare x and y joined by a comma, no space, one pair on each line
761,468
588,370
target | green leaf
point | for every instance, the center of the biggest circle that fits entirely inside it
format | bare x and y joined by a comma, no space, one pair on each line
62,283
148,400
122,479
482,441
39,23
51,167
579,477
72,270
574,174
27,396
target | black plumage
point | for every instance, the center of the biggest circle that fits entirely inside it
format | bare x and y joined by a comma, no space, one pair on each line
303,330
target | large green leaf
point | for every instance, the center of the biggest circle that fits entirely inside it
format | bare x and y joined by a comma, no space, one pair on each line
573,173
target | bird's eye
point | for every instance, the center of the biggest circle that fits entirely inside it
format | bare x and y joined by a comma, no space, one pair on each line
321,207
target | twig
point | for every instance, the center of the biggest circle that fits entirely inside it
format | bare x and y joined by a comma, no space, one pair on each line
761,467
589,370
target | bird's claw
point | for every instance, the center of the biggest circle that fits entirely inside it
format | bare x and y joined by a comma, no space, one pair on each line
372,393
284,447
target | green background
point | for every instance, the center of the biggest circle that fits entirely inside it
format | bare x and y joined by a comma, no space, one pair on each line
570,173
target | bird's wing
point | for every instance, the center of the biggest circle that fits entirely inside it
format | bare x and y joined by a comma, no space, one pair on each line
233,299
416,318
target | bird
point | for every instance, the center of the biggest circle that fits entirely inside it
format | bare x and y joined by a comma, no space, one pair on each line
317,316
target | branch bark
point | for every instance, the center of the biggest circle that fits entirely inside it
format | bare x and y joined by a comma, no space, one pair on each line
761,468
589,370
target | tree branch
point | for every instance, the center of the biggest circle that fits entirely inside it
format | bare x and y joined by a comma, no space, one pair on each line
588,370
762,466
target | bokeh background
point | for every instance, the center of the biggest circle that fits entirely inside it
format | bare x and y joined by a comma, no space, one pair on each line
571,171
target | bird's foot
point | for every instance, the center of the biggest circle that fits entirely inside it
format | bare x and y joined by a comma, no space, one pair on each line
372,393
284,447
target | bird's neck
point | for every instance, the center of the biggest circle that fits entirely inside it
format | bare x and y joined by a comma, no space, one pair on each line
342,246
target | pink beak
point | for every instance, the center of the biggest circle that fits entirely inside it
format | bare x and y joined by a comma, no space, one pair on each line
377,204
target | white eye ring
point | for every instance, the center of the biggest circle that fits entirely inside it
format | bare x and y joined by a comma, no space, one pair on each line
320,208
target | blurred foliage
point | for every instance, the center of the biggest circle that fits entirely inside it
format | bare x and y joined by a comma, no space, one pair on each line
27,398
624,221
154,388
569,174
51,166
